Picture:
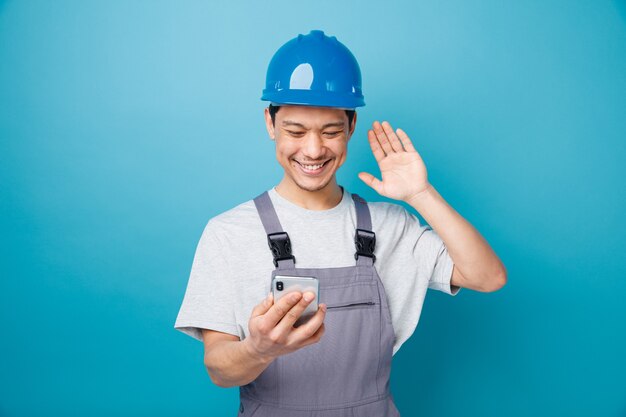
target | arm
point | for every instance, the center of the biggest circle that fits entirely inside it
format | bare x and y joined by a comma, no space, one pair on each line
404,178
229,361
476,266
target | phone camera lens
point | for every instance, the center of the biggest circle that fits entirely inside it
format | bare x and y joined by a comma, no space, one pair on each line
279,285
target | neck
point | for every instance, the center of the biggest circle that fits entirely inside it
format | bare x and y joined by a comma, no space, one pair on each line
322,199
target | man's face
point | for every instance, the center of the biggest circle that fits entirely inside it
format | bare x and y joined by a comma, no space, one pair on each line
311,143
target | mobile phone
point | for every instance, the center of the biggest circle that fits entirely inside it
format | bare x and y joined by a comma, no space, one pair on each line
285,284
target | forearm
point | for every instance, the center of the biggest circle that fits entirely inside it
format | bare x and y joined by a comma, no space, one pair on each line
470,252
232,363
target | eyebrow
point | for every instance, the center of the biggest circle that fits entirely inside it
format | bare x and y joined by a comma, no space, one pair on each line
331,124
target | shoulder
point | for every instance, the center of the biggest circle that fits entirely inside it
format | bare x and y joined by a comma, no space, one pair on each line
393,218
232,222
232,233
384,208
384,212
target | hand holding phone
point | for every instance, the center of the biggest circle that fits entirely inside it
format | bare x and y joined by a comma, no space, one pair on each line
283,285
271,324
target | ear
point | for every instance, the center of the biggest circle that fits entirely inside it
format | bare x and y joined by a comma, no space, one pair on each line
351,131
269,125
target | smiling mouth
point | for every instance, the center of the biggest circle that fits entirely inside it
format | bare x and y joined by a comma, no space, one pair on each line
313,168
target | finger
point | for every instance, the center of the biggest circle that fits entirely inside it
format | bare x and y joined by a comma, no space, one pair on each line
287,322
308,329
263,306
393,139
379,154
315,337
406,142
281,307
381,136
371,180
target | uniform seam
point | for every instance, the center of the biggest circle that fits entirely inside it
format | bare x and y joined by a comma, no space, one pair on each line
364,401
380,335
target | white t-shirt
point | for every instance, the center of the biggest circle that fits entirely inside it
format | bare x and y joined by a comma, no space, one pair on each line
231,271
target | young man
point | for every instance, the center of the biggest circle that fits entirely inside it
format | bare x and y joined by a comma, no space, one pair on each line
374,261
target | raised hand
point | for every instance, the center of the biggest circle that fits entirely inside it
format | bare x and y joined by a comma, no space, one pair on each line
403,172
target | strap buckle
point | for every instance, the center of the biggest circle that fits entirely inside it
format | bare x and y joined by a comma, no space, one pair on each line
365,241
280,245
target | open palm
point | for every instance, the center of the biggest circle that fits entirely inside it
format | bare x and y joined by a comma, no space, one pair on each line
401,167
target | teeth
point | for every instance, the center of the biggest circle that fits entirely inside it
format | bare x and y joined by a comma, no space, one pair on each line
311,167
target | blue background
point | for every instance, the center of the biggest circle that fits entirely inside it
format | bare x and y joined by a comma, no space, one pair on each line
125,126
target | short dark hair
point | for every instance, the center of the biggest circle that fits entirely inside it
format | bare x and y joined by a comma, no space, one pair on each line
274,109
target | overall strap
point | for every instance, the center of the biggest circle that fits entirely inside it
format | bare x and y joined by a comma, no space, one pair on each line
364,237
277,239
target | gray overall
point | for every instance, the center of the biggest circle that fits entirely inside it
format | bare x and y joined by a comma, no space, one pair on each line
345,374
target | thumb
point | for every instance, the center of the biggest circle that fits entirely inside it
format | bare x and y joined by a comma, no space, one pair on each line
371,180
263,307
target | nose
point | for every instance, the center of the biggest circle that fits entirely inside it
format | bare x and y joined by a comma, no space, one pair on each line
313,147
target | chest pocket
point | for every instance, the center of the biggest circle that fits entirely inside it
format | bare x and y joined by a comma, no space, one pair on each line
360,295
349,304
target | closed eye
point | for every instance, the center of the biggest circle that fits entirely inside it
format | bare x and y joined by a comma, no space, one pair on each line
333,133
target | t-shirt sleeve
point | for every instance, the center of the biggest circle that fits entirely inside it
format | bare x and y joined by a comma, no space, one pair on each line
207,303
431,254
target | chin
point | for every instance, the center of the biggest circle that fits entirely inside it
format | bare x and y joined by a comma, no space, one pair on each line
311,185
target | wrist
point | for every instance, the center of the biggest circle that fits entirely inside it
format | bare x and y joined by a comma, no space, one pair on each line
421,198
253,353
